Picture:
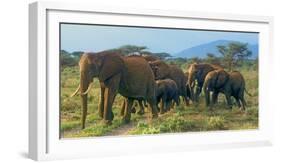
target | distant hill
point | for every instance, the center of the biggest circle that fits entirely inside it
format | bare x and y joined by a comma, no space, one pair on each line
201,51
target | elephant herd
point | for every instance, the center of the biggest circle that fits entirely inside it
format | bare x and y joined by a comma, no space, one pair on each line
151,81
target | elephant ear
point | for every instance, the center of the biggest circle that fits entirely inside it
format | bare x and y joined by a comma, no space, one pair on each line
159,68
222,78
109,64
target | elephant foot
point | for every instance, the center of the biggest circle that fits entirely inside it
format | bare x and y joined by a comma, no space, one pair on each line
140,112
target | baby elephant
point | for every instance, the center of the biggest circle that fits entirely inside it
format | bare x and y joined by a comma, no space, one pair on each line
166,92
231,84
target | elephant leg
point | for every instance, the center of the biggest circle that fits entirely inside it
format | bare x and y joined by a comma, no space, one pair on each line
207,98
238,101
144,103
173,104
153,107
192,94
186,100
133,109
243,103
169,105
124,103
101,101
241,96
197,93
109,96
215,97
162,106
128,108
228,100
141,111
157,105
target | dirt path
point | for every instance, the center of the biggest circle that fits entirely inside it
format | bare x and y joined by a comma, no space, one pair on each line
126,128
122,130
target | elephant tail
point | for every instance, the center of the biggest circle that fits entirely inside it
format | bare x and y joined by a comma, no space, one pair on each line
248,92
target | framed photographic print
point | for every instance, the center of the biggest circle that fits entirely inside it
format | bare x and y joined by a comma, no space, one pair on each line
110,81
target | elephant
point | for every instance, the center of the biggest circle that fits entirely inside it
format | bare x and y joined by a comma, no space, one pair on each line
163,70
230,84
130,76
188,90
196,74
167,92
150,58
140,103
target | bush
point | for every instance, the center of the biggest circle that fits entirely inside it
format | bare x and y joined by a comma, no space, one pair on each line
216,122
69,105
151,131
67,60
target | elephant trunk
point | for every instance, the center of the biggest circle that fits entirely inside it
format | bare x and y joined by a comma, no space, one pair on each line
206,92
84,86
190,85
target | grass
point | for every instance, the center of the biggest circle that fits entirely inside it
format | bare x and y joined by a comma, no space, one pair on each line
181,119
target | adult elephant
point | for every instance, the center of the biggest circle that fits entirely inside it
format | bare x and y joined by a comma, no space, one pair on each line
131,76
231,84
163,70
150,58
196,74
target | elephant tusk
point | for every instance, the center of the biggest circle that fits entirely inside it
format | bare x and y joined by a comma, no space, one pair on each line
87,91
75,93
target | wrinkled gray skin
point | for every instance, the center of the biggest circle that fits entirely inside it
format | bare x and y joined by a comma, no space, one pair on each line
163,70
130,76
167,92
196,76
148,58
230,84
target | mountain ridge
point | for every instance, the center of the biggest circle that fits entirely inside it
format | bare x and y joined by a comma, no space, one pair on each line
201,50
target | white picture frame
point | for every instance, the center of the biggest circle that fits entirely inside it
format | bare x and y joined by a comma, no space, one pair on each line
44,141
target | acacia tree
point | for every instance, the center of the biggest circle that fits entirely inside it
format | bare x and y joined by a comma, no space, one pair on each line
233,53
195,60
130,49
211,58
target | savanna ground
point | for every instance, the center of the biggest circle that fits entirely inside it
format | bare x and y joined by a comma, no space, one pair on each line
181,119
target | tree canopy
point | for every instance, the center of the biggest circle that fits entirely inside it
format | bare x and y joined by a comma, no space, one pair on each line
234,53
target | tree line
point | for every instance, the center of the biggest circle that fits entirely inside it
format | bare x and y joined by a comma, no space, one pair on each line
235,54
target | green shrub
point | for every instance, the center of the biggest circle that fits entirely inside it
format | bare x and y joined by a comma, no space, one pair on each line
151,131
70,105
216,122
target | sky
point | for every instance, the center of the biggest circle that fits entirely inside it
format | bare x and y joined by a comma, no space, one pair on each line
94,38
